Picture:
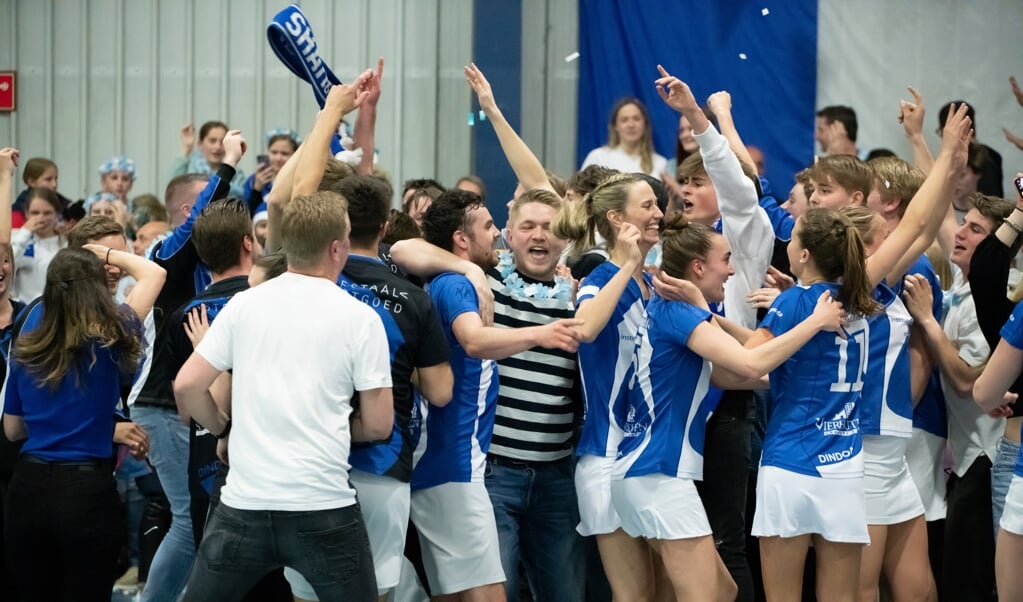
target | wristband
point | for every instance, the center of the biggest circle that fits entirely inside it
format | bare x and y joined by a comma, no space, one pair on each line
1016,227
107,260
227,430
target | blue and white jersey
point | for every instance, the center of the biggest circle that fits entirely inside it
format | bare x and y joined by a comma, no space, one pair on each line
454,440
813,422
668,399
930,414
886,406
1012,332
605,365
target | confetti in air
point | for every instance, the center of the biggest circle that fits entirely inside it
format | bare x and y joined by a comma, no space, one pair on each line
571,57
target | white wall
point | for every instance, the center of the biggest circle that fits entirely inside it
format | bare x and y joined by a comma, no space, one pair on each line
103,77
870,50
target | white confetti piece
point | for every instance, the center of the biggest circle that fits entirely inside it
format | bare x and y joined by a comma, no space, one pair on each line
571,57
765,12
742,56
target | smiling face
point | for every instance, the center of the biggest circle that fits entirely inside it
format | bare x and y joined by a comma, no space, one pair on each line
534,246
212,147
629,124
711,273
117,183
641,210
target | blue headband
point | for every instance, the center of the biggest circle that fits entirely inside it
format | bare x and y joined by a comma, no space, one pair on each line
118,163
291,39
92,199
283,132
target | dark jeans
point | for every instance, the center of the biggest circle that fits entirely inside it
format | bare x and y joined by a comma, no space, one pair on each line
968,566
330,548
63,530
536,513
726,460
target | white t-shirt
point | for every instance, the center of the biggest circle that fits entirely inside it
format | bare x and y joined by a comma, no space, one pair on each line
299,348
32,257
617,158
971,432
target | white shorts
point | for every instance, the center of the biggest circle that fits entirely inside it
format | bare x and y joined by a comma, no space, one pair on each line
657,506
458,535
925,456
891,495
385,509
597,515
1012,516
790,504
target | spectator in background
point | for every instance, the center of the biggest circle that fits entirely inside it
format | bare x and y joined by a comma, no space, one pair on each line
630,142
836,130
473,184
39,172
990,162
116,176
209,156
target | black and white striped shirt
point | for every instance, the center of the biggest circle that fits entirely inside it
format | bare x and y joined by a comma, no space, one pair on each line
535,408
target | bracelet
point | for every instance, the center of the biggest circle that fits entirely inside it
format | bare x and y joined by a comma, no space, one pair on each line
107,260
1016,227
1018,208
227,430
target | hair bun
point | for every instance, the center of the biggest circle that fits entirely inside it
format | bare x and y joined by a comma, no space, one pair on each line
675,223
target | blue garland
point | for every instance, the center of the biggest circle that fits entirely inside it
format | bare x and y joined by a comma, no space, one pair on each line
562,289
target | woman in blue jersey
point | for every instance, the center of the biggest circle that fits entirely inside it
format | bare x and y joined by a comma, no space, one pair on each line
811,477
63,390
897,371
623,210
991,392
653,487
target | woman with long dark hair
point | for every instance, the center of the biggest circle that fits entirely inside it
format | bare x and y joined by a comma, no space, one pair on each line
63,391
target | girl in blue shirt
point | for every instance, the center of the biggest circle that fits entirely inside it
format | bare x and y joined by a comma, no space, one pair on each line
623,210
62,395
653,487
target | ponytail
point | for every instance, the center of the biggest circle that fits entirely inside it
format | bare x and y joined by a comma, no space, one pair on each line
855,291
575,224
580,223
837,250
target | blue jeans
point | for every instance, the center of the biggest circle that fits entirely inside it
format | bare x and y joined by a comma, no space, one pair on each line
329,547
536,512
1001,477
168,453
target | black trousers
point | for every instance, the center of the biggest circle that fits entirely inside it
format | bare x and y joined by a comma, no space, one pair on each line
63,530
968,568
726,462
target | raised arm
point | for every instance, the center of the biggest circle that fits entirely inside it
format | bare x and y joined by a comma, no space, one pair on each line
999,374
279,196
527,167
365,123
341,100
911,116
927,210
720,103
8,163
148,275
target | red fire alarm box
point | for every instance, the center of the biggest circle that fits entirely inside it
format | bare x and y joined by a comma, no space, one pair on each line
8,88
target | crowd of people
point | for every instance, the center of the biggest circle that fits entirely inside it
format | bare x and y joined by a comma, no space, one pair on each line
659,380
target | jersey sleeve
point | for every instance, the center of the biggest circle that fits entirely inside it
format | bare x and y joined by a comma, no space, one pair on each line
1012,332
782,315
433,344
683,320
454,295
597,280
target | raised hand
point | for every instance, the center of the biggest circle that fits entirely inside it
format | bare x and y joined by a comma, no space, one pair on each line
762,297
1014,139
479,84
264,175
348,97
956,136
778,279
675,92
719,102
911,114
8,160
626,250
373,85
1016,91
187,138
234,147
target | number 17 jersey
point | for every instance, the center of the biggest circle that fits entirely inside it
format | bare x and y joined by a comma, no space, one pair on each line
813,421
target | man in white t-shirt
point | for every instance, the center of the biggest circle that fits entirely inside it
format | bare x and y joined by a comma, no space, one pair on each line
299,348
